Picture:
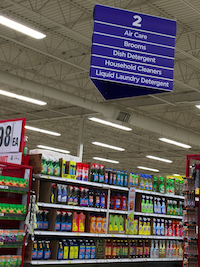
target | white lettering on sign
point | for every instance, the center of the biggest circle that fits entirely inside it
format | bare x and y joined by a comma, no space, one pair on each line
137,21
136,46
10,136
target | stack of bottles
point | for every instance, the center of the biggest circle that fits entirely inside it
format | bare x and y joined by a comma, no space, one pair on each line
118,202
159,249
78,196
70,221
139,249
81,171
163,227
10,260
42,220
116,249
147,204
50,166
72,249
144,226
116,224
97,174
118,178
173,209
41,250
97,224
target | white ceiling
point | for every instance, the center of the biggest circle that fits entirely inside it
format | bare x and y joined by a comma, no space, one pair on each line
62,61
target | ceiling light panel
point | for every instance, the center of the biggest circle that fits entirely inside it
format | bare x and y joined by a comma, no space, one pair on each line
172,142
107,160
21,28
41,130
108,146
108,123
54,149
159,159
23,98
147,169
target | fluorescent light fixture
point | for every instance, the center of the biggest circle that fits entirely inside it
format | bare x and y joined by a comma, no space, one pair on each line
21,28
197,106
108,146
176,174
23,98
147,169
160,159
41,130
54,149
108,123
107,160
172,142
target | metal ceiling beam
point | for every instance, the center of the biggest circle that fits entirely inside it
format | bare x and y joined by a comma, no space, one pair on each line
110,112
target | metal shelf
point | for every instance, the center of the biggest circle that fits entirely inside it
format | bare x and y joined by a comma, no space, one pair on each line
156,215
158,194
65,234
78,182
69,207
19,190
37,262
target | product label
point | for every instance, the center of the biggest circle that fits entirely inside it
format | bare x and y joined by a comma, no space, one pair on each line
71,253
101,178
91,200
46,255
45,225
34,255
141,185
75,202
158,209
111,179
124,204
68,226
82,252
146,186
40,254
106,178
70,201
82,202
87,252
60,255
65,252
57,226
122,180
96,178
102,202
75,252
93,249
136,181
114,178
150,186
117,203
163,210
63,227
97,201
126,180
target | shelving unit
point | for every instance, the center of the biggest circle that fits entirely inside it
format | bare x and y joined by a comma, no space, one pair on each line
41,182
17,196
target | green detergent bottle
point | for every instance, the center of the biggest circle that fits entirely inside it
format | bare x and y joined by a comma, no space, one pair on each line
162,186
155,185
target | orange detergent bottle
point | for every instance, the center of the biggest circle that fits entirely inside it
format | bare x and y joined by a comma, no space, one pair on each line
75,222
92,223
81,223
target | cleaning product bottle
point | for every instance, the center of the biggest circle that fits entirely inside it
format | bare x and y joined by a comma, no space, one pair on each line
75,222
35,251
163,207
143,204
50,167
81,250
57,221
91,198
168,207
75,196
110,176
151,204
87,250
122,178
123,202
102,200
70,200
162,186
140,226
144,227
171,186
147,205
44,165
45,220
125,179
152,250
150,183
93,249
167,186
118,177
60,251
164,249
114,177
160,249
148,227
146,182
40,251
158,227
155,185
57,168
97,200
162,228
64,194
168,250
114,249
68,226
53,193
71,249
81,222
155,205
154,226
156,251
141,181
76,249
65,250
63,221
59,196
47,251
158,206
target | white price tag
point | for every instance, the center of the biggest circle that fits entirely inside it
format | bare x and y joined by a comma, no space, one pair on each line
10,136
1,214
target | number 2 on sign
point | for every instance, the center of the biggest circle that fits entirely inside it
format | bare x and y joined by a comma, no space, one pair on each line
137,21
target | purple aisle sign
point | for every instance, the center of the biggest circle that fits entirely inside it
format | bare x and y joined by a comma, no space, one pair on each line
132,53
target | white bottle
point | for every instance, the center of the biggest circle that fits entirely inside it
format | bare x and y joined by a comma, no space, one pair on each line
156,251
152,249
158,206
163,207
162,228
